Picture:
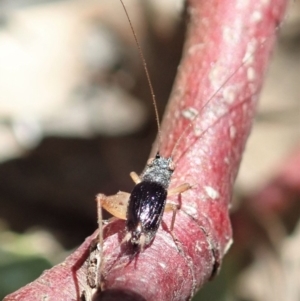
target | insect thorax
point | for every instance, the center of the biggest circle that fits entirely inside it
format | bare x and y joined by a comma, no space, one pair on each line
159,170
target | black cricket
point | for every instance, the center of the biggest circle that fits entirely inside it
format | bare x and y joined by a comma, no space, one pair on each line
148,200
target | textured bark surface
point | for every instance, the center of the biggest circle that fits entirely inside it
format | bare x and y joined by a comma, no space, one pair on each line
226,53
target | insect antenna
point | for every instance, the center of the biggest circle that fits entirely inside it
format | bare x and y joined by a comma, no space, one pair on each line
185,130
99,207
100,243
146,72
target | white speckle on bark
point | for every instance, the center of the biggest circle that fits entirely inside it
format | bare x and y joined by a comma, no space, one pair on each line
229,35
162,264
197,161
198,131
229,94
216,75
211,192
198,246
190,113
256,16
232,132
226,160
251,74
195,48
190,210
248,58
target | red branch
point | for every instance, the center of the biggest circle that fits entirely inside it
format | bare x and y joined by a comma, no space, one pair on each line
226,53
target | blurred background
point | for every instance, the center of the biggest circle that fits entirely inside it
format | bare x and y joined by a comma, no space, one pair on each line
76,117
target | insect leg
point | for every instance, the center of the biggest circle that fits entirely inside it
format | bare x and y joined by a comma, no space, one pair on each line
179,189
174,207
180,248
115,204
136,179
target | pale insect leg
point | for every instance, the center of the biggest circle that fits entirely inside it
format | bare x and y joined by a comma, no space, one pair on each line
174,207
117,206
100,244
136,179
179,189
181,251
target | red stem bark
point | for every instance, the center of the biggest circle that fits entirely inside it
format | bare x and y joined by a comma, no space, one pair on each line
225,56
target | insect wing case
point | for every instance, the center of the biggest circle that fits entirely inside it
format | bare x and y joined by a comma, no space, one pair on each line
145,210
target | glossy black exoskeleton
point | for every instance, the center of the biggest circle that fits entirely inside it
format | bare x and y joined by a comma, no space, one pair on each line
145,210
147,201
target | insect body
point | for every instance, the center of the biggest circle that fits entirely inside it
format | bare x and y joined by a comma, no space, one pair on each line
147,201
143,208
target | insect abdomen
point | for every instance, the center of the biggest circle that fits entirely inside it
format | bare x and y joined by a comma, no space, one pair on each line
145,209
